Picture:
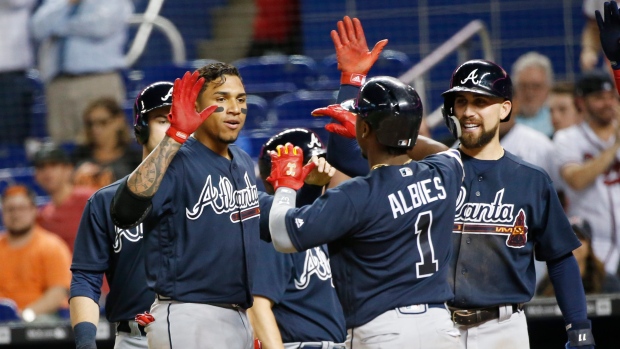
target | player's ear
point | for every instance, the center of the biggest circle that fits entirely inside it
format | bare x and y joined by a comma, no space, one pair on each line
505,110
365,129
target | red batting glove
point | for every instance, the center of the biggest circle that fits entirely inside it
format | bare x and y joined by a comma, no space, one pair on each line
354,59
184,119
347,120
144,319
258,344
287,167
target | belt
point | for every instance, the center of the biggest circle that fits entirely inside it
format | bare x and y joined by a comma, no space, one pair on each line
315,345
219,305
476,316
130,327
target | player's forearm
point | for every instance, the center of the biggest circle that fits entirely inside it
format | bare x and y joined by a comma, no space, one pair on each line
579,177
566,279
264,324
145,180
283,200
424,147
50,301
83,309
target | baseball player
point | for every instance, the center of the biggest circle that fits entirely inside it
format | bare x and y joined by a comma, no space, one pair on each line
389,232
101,247
295,303
200,196
507,210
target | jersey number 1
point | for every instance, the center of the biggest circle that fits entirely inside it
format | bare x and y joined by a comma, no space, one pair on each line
427,264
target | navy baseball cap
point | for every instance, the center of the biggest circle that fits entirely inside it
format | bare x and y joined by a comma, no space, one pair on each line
50,153
592,82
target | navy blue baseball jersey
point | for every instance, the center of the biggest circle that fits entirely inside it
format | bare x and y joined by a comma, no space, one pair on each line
204,228
388,235
101,247
300,284
499,224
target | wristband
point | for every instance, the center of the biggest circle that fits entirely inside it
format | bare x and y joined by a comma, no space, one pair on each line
354,79
177,135
85,333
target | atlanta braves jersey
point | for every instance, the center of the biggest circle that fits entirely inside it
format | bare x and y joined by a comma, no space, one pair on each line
204,228
388,235
300,284
507,210
599,203
100,247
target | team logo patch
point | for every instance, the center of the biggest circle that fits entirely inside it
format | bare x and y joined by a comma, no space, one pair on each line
131,235
496,218
406,172
473,77
299,222
316,263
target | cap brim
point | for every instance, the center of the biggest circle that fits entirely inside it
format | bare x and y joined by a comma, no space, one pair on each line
468,89
350,105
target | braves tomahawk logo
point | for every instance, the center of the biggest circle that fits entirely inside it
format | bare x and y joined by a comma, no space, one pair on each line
473,77
496,218
131,235
224,199
316,263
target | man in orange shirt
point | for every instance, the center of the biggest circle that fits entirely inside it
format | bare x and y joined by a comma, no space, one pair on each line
35,269
53,172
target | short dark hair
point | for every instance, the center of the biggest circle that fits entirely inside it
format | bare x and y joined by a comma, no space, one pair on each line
214,71
17,189
563,87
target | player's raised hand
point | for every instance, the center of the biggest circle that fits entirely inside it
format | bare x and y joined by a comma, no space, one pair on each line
609,27
184,119
354,58
287,167
322,173
346,119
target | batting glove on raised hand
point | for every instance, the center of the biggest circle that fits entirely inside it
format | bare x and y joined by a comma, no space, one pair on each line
184,119
610,32
347,120
354,59
287,167
580,335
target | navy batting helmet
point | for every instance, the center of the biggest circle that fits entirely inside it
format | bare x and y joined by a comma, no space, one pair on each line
392,108
155,95
478,76
307,140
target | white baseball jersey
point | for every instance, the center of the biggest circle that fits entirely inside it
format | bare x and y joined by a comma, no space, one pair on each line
532,146
600,202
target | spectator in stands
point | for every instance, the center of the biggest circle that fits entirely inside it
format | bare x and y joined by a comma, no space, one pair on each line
562,106
586,156
16,57
53,171
532,76
83,45
276,28
595,278
35,263
107,154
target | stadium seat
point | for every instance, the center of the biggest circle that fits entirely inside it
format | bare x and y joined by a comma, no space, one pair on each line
269,76
8,310
258,112
390,63
294,110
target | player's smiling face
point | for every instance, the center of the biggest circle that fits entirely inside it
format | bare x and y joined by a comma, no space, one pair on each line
224,124
479,116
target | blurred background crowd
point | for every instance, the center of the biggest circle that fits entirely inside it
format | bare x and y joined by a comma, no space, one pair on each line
70,71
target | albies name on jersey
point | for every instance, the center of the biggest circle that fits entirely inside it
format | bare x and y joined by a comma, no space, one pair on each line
418,194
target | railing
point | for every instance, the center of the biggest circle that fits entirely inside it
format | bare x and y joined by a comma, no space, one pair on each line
146,21
458,42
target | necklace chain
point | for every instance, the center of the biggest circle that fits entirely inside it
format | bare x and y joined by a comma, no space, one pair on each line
382,165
